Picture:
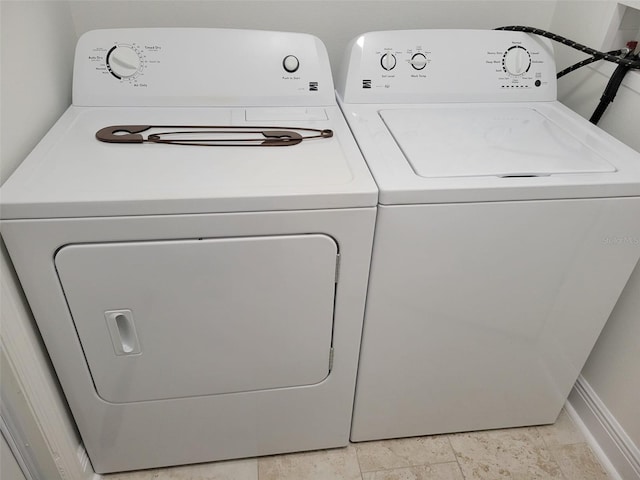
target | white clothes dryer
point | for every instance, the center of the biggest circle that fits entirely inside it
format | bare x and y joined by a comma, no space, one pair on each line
507,228
199,276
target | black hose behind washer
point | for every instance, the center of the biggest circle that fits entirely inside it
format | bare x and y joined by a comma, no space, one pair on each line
625,59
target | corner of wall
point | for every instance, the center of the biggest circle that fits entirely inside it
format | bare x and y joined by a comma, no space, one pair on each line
36,74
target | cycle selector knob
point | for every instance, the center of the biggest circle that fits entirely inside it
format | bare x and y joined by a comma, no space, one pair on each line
418,61
123,61
516,60
388,61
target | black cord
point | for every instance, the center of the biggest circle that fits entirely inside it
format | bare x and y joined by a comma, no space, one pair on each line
610,90
631,63
625,59
588,61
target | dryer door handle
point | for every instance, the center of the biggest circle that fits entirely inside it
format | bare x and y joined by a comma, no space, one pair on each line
123,333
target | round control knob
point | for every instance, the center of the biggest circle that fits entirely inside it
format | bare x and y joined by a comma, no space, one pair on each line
123,61
418,61
516,60
388,61
290,63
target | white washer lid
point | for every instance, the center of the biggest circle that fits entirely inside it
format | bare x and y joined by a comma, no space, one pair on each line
488,141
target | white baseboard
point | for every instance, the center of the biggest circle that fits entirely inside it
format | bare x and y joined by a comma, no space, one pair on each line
83,459
613,447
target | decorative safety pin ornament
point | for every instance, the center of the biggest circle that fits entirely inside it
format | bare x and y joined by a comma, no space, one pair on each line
270,136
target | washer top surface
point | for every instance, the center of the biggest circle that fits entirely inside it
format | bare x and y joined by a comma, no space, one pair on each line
450,153
492,140
435,127
72,174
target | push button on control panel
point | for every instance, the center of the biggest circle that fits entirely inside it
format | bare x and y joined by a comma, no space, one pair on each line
290,63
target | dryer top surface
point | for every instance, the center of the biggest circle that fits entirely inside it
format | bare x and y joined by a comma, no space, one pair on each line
72,174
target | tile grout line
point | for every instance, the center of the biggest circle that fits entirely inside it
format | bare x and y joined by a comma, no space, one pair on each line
554,450
410,464
555,459
456,457
550,450
428,464
357,459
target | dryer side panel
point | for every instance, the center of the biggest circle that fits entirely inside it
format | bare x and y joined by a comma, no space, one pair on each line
170,319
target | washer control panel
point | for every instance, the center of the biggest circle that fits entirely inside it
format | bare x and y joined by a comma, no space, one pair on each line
200,66
413,66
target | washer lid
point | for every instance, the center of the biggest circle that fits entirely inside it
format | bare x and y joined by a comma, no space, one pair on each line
488,141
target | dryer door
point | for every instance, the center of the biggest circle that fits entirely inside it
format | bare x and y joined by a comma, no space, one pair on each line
169,319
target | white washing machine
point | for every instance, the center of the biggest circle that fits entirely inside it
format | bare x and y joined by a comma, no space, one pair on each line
507,227
200,290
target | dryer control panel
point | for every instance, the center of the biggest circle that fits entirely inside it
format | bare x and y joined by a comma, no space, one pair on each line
200,67
416,66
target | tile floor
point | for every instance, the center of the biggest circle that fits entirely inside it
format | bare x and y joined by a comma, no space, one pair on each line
556,451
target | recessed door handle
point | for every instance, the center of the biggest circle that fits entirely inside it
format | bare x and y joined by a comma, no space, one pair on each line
123,333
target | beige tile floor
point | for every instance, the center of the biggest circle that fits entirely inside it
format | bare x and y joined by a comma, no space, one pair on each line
557,451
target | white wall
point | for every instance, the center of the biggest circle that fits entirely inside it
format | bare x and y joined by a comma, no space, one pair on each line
37,41
37,45
613,369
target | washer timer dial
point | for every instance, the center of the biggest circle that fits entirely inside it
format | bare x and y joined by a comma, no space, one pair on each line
516,60
123,61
